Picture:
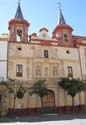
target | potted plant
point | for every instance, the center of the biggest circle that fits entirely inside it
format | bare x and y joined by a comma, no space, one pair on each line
20,92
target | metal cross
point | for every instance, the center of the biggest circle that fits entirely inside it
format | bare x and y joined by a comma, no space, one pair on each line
59,5
19,1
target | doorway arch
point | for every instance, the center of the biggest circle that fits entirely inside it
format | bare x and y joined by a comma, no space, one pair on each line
49,102
49,99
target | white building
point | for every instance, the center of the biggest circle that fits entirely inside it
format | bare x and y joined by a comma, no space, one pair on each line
3,56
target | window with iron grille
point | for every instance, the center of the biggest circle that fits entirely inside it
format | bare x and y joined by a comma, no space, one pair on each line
70,71
19,70
45,53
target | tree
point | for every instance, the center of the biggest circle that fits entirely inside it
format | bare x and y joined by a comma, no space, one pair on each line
17,89
72,86
40,89
20,92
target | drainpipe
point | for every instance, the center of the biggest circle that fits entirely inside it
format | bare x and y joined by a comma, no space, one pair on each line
80,62
7,56
80,69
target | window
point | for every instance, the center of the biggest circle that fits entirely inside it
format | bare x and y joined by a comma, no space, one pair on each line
46,71
70,71
19,70
55,71
45,53
38,71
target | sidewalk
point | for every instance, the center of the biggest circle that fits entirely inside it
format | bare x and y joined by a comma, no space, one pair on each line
43,118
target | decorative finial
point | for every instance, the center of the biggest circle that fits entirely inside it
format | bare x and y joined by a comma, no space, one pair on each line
61,20
19,1
59,6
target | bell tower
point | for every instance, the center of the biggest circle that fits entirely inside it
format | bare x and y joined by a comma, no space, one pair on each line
63,32
18,27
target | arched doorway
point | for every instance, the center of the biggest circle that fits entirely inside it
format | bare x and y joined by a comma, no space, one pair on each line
49,102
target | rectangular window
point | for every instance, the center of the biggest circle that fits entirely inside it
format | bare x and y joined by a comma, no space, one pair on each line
45,53
19,70
70,71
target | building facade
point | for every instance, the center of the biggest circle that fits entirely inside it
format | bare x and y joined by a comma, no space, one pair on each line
43,57
3,64
3,56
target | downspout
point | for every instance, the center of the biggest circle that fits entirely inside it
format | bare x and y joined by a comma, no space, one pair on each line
7,56
80,62
81,71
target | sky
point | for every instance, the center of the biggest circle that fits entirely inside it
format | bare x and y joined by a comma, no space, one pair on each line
44,13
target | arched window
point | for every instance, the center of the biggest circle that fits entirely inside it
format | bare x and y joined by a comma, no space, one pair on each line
38,71
46,71
55,71
19,35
